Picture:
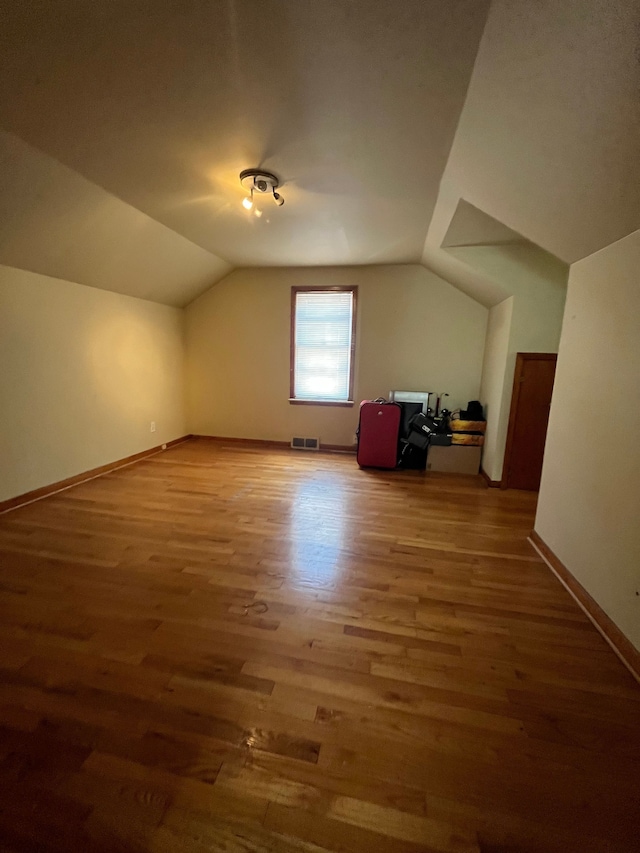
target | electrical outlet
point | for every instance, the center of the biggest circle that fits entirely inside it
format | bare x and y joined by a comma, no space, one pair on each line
164,446
153,426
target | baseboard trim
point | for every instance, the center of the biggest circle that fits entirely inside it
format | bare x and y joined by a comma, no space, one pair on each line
255,442
63,485
491,484
265,442
623,647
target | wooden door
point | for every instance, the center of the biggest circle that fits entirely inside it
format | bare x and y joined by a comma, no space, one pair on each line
530,402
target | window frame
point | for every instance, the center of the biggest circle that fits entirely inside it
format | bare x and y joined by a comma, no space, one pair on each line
292,348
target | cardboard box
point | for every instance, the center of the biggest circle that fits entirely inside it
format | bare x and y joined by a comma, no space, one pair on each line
457,459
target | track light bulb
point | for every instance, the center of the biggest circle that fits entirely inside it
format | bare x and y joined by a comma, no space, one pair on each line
278,199
247,203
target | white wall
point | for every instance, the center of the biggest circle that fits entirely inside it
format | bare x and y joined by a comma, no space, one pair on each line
589,507
83,373
415,332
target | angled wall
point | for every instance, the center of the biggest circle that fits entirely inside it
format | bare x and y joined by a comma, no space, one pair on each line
55,222
589,503
549,135
529,321
84,372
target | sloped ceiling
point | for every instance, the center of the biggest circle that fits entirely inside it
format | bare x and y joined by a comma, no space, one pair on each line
472,227
126,125
549,137
491,262
160,105
55,222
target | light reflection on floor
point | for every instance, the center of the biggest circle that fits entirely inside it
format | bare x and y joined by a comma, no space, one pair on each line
317,529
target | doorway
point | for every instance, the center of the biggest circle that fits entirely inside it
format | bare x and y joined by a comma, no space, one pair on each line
528,420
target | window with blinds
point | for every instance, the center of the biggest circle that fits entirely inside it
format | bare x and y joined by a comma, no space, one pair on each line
322,344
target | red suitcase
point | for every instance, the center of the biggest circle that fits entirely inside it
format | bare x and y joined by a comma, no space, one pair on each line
378,434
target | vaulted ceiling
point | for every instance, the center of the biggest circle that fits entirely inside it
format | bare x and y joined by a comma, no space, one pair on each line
354,105
125,126
549,138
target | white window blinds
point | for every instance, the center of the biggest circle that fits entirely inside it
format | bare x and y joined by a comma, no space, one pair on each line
322,341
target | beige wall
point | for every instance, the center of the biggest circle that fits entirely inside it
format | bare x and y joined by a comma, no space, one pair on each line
589,507
536,324
493,386
84,372
538,283
415,332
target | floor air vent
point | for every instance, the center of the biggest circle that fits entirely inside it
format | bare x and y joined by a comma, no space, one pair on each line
305,443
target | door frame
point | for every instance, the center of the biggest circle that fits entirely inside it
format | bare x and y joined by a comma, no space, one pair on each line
521,358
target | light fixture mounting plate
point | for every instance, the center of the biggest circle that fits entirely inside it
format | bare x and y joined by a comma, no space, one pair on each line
259,181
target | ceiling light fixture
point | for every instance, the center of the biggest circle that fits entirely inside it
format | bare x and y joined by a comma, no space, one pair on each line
259,181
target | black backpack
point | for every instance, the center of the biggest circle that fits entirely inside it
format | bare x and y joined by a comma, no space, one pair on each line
473,412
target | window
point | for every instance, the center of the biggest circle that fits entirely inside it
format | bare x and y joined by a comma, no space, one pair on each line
323,323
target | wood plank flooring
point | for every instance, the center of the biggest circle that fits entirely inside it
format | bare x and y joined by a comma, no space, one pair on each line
229,649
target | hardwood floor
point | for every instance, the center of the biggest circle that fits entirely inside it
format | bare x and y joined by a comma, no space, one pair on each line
230,649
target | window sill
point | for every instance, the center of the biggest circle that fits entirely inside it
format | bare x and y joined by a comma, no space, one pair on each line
296,402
